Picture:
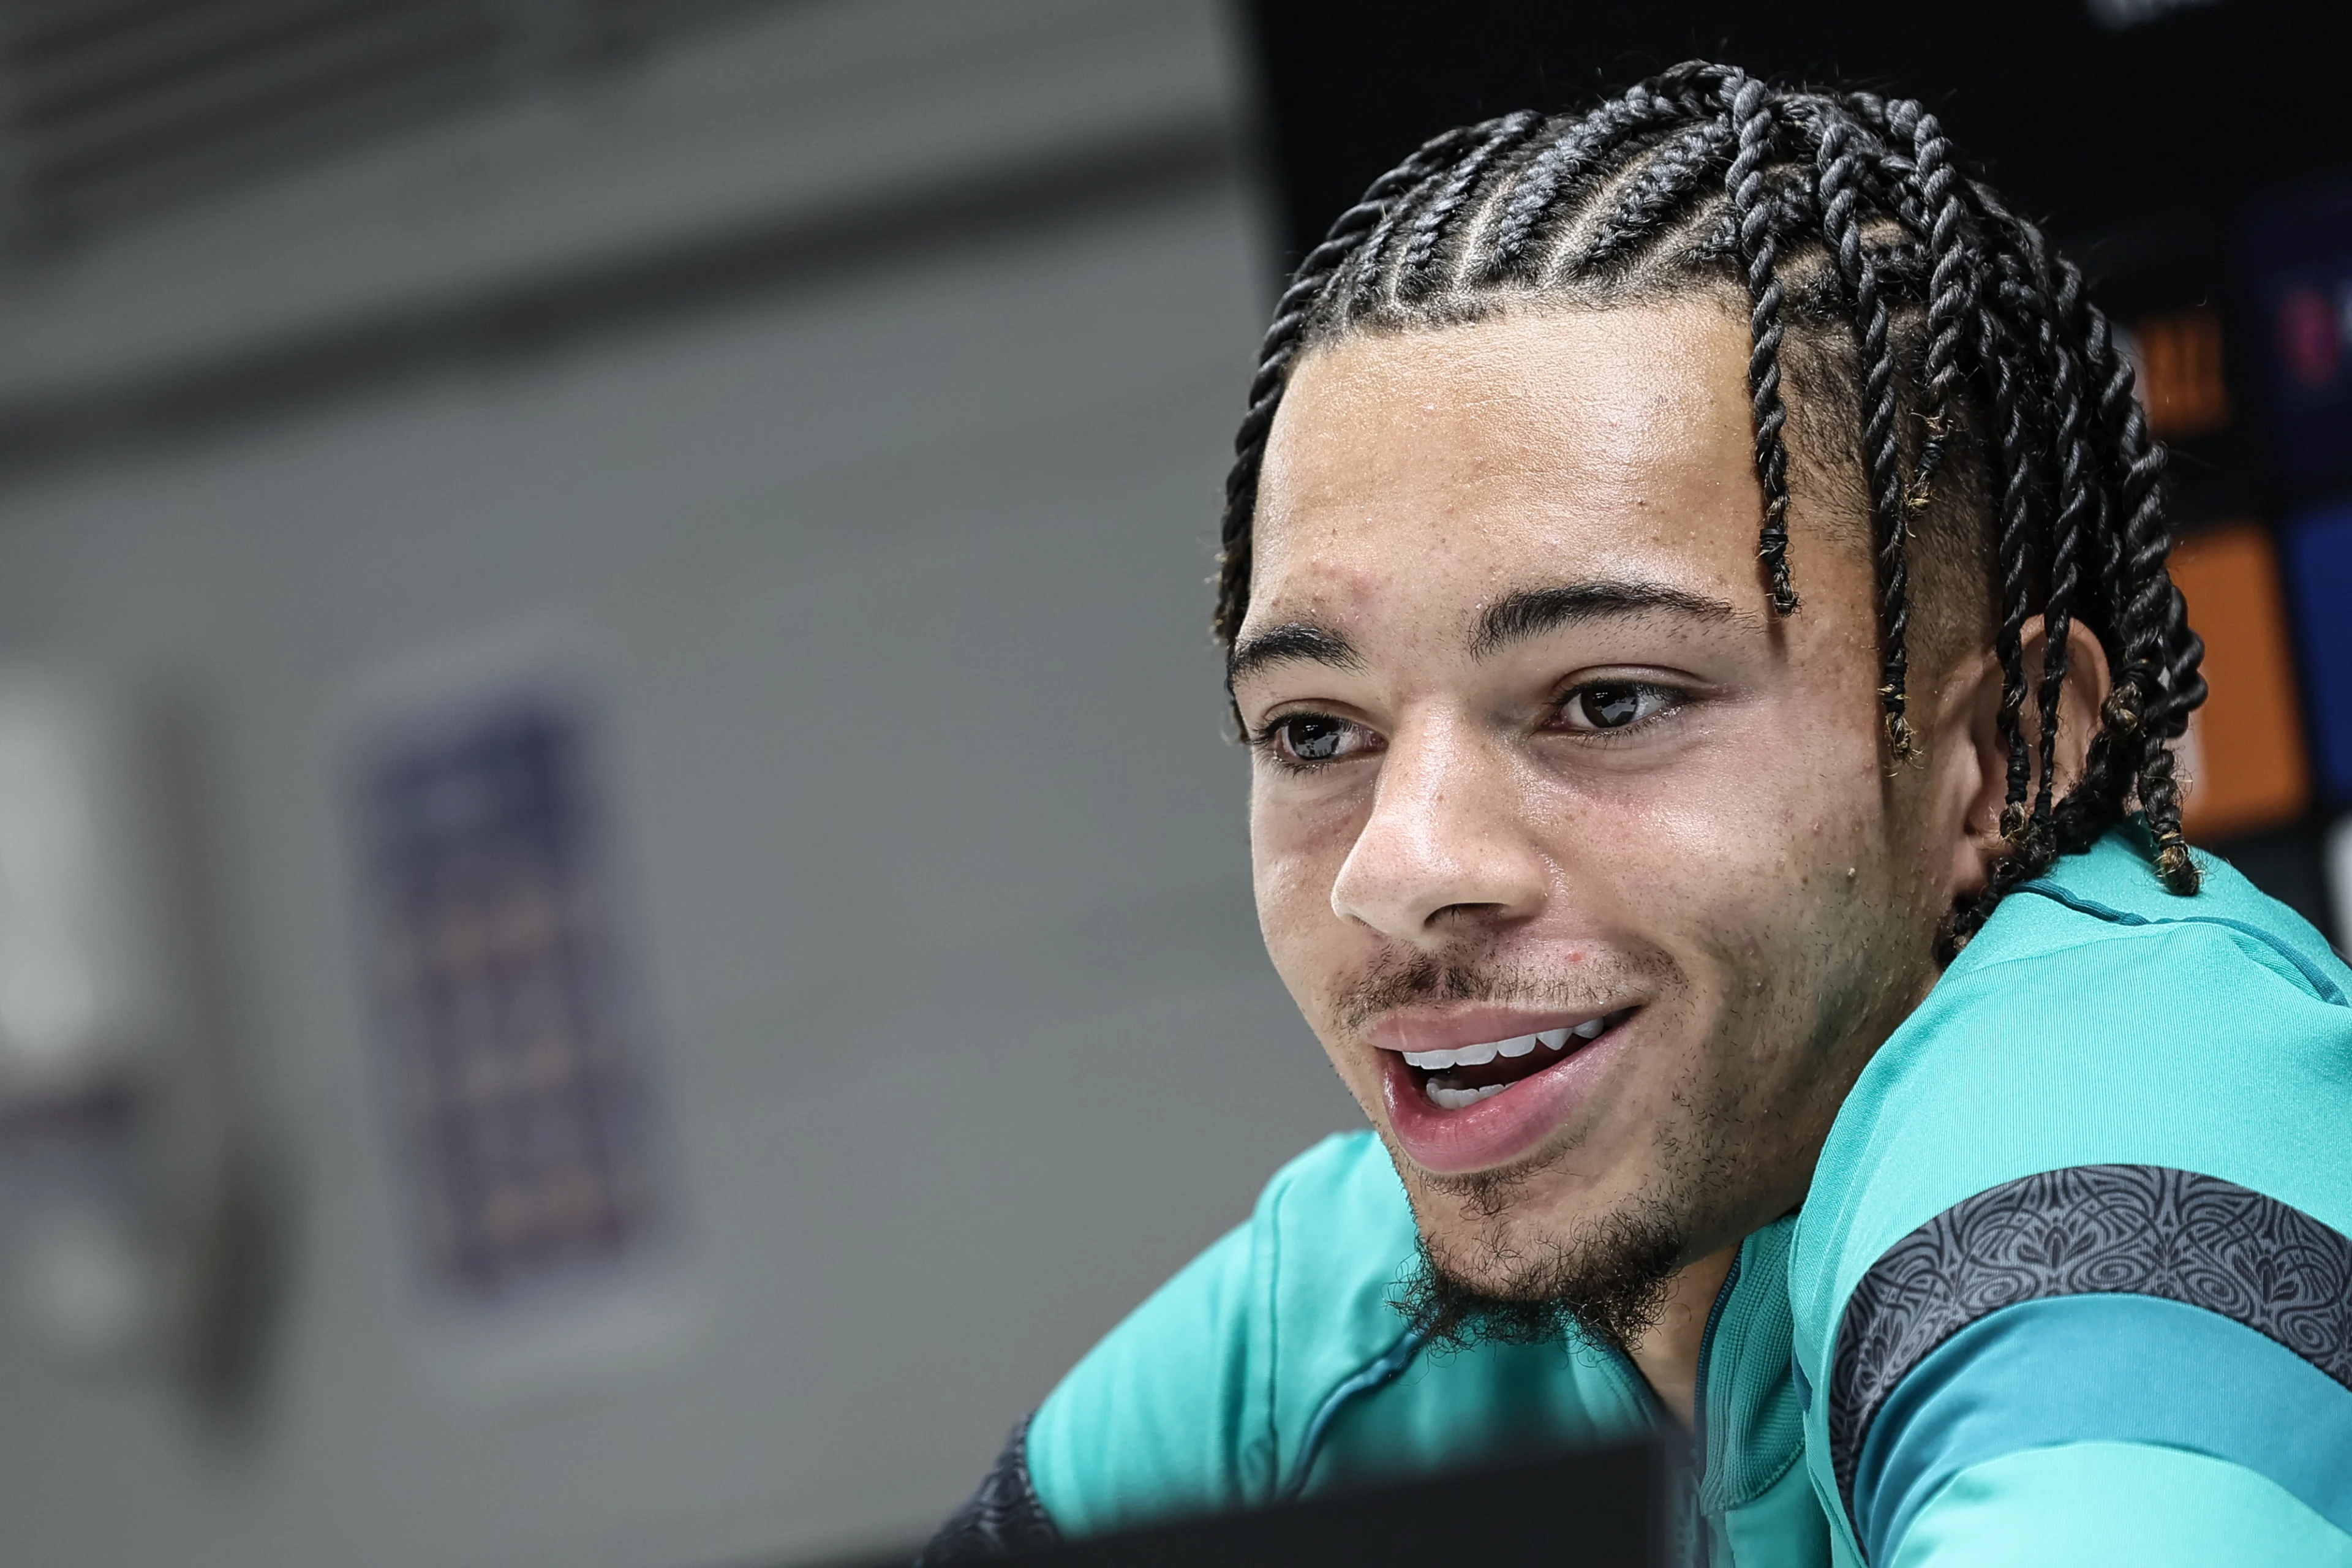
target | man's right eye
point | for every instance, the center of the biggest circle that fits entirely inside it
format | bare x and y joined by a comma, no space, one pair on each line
1303,740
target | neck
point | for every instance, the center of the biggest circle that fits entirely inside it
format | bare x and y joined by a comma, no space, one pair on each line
1667,1354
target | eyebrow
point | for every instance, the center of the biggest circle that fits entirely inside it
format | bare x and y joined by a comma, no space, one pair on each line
1293,642
1515,617
1532,611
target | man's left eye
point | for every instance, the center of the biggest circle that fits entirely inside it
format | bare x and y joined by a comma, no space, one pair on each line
1614,705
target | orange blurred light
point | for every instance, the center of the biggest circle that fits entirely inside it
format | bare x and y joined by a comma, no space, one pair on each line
2180,379
2244,752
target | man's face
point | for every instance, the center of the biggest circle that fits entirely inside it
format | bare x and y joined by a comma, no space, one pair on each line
1582,863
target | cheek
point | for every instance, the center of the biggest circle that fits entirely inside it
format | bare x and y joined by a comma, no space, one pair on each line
1763,797
1725,862
1295,860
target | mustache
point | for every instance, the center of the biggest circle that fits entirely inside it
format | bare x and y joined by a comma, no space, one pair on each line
1407,979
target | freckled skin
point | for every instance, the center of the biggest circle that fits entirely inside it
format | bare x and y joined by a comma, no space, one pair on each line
1748,869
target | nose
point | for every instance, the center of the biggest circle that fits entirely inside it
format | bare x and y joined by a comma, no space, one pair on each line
1448,839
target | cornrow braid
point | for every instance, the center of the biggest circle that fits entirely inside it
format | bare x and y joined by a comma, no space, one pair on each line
1993,416
1662,187
2013,479
1760,248
1951,291
1549,180
1431,224
2075,501
1840,161
2113,495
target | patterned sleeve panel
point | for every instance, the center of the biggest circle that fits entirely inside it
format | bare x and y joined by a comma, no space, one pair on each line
1001,1519
2132,1305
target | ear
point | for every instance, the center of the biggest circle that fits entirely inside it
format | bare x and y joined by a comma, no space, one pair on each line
1973,766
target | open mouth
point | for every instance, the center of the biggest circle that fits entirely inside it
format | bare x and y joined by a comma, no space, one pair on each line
1466,1074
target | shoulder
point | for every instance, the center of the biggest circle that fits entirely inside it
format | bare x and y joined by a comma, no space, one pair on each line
2106,1143
2096,1022
1200,1399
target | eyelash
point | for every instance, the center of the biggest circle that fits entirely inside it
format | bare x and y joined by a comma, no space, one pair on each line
1265,741
1674,700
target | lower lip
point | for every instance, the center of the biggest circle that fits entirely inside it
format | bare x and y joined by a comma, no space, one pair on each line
1500,1128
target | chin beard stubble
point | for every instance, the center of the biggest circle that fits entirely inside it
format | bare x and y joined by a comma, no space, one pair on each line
1608,1277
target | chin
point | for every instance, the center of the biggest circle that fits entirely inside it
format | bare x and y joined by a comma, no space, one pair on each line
1551,1193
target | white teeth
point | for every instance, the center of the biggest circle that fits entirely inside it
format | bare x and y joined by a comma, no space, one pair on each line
1518,1046
1455,1099
1511,1050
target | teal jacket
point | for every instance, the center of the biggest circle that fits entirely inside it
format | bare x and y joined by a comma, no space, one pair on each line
2072,1285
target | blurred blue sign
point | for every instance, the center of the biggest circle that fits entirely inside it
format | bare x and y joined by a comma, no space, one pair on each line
505,996
2299,272
2319,557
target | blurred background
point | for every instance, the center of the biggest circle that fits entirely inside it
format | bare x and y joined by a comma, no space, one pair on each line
623,914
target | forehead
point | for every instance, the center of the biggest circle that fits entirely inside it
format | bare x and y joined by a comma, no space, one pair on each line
1462,461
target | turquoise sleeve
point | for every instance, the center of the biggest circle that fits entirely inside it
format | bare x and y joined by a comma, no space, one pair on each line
1201,1401
2134,1373
2128,1505
1153,1422
1276,1363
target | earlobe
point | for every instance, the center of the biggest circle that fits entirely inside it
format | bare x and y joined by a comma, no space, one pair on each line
1981,763
1984,754
2082,696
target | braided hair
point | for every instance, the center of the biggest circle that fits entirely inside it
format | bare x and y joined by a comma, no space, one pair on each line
1982,394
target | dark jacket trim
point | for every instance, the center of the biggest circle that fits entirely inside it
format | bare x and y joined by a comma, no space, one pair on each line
2144,1230
1004,1517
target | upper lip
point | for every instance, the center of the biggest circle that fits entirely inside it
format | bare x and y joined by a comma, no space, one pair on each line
1420,1029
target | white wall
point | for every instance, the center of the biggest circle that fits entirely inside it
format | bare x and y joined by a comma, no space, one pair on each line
943,882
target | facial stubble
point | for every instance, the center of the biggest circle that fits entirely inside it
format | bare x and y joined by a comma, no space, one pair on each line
1606,1275
1730,1147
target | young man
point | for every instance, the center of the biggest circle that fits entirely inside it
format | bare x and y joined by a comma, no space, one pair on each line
1694,588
